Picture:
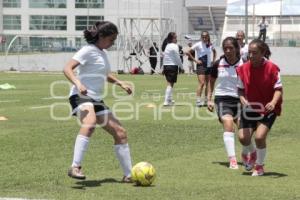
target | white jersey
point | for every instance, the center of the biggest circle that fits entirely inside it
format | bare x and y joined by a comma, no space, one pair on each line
244,52
227,78
263,25
203,49
171,55
92,71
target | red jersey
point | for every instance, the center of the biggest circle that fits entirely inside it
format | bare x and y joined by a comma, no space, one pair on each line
259,84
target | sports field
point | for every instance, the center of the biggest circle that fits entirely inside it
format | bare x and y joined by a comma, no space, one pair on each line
183,142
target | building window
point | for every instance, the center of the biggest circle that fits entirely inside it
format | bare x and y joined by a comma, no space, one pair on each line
47,43
47,4
12,22
84,22
89,4
48,22
11,3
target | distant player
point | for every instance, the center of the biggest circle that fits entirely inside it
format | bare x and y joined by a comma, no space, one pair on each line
260,91
86,97
203,49
171,65
190,59
240,36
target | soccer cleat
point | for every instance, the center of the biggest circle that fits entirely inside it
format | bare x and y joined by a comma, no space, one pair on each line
245,159
258,170
127,179
199,103
75,172
251,163
169,103
233,163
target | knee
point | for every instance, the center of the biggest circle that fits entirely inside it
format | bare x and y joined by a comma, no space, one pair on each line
87,130
244,140
121,135
259,140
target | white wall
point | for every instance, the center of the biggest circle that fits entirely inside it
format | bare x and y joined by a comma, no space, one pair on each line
285,57
191,3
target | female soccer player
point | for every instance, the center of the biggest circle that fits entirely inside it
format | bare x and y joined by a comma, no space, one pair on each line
226,94
171,64
260,92
86,96
240,36
203,51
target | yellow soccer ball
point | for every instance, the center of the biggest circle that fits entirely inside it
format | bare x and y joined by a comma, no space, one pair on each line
143,174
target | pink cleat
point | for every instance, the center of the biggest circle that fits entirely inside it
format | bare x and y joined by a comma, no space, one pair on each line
233,163
258,170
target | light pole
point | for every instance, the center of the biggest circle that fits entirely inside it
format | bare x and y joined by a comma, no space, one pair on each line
246,21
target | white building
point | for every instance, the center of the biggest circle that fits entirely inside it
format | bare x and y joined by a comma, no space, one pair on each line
63,21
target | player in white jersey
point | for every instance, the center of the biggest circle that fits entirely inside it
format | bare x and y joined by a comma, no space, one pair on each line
240,36
226,94
171,63
203,49
86,96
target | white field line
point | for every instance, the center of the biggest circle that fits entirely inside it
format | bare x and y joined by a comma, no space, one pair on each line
123,99
9,101
47,98
152,90
178,89
9,198
38,107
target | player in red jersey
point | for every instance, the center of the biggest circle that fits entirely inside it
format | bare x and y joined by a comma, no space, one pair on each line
260,92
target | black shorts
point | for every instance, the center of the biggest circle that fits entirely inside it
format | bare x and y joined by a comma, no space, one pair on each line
251,119
227,105
171,72
99,106
202,70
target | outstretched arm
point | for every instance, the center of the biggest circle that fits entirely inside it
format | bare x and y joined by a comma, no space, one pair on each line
112,79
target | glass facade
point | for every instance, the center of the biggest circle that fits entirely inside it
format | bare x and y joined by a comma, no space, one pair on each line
47,4
48,22
12,22
89,4
47,44
11,3
264,7
84,22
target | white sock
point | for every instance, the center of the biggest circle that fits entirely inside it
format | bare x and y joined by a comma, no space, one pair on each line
198,99
123,155
248,149
261,154
168,94
80,147
228,138
252,147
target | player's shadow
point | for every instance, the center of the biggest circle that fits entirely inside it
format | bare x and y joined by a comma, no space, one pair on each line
94,183
268,174
225,164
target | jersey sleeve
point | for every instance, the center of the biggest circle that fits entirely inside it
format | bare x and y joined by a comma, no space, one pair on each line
278,83
175,51
81,56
